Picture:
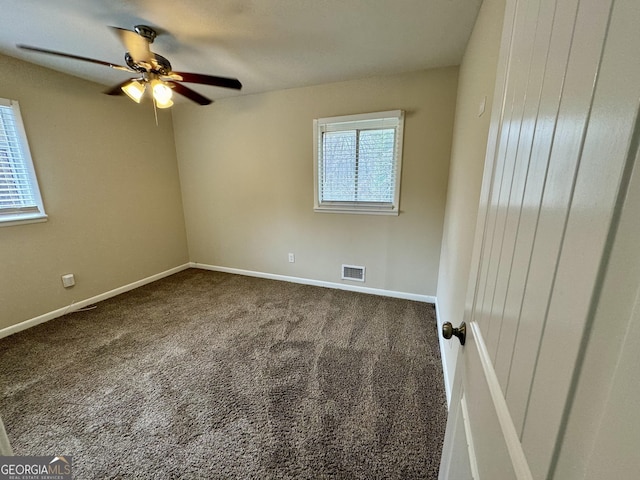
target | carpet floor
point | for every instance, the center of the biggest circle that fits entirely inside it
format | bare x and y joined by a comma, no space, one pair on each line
207,375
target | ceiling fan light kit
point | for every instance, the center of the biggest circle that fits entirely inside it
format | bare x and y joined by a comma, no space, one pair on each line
134,90
151,69
161,93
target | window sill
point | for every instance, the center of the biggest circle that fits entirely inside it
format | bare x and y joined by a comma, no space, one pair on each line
11,220
357,210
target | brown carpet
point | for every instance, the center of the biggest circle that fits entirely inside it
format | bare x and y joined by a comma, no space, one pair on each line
206,375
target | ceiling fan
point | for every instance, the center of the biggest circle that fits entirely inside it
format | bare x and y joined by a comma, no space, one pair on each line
153,72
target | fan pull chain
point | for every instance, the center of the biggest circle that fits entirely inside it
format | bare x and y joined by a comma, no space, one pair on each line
155,110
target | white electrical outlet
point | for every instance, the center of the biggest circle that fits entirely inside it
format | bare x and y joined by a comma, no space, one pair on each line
292,258
68,280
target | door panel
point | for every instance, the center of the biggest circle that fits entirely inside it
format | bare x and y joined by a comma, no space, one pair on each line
507,204
483,414
560,144
457,452
527,192
545,211
603,155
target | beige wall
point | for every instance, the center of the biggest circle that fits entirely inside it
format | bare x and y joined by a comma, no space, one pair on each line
110,186
246,167
477,81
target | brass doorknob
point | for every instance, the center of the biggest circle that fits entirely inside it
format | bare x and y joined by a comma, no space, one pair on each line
448,331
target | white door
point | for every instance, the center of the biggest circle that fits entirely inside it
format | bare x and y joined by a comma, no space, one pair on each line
563,136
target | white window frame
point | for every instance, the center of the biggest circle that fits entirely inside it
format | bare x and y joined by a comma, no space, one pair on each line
387,119
34,212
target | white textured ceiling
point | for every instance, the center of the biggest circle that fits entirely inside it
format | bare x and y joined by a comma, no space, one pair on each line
267,44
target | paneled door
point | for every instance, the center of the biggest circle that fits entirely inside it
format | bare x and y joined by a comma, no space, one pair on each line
563,139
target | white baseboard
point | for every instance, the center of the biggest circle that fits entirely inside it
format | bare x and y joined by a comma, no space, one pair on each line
5,332
319,283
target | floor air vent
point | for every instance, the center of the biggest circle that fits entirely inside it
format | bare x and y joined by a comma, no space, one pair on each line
353,272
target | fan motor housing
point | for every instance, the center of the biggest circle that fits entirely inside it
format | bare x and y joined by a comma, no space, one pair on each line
160,65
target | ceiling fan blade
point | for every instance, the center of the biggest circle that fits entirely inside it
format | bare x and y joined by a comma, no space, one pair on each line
137,46
75,57
116,89
190,94
210,80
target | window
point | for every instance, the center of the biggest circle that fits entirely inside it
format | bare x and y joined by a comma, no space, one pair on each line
357,162
20,200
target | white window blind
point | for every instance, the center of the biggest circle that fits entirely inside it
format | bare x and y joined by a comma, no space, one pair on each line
357,163
20,199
